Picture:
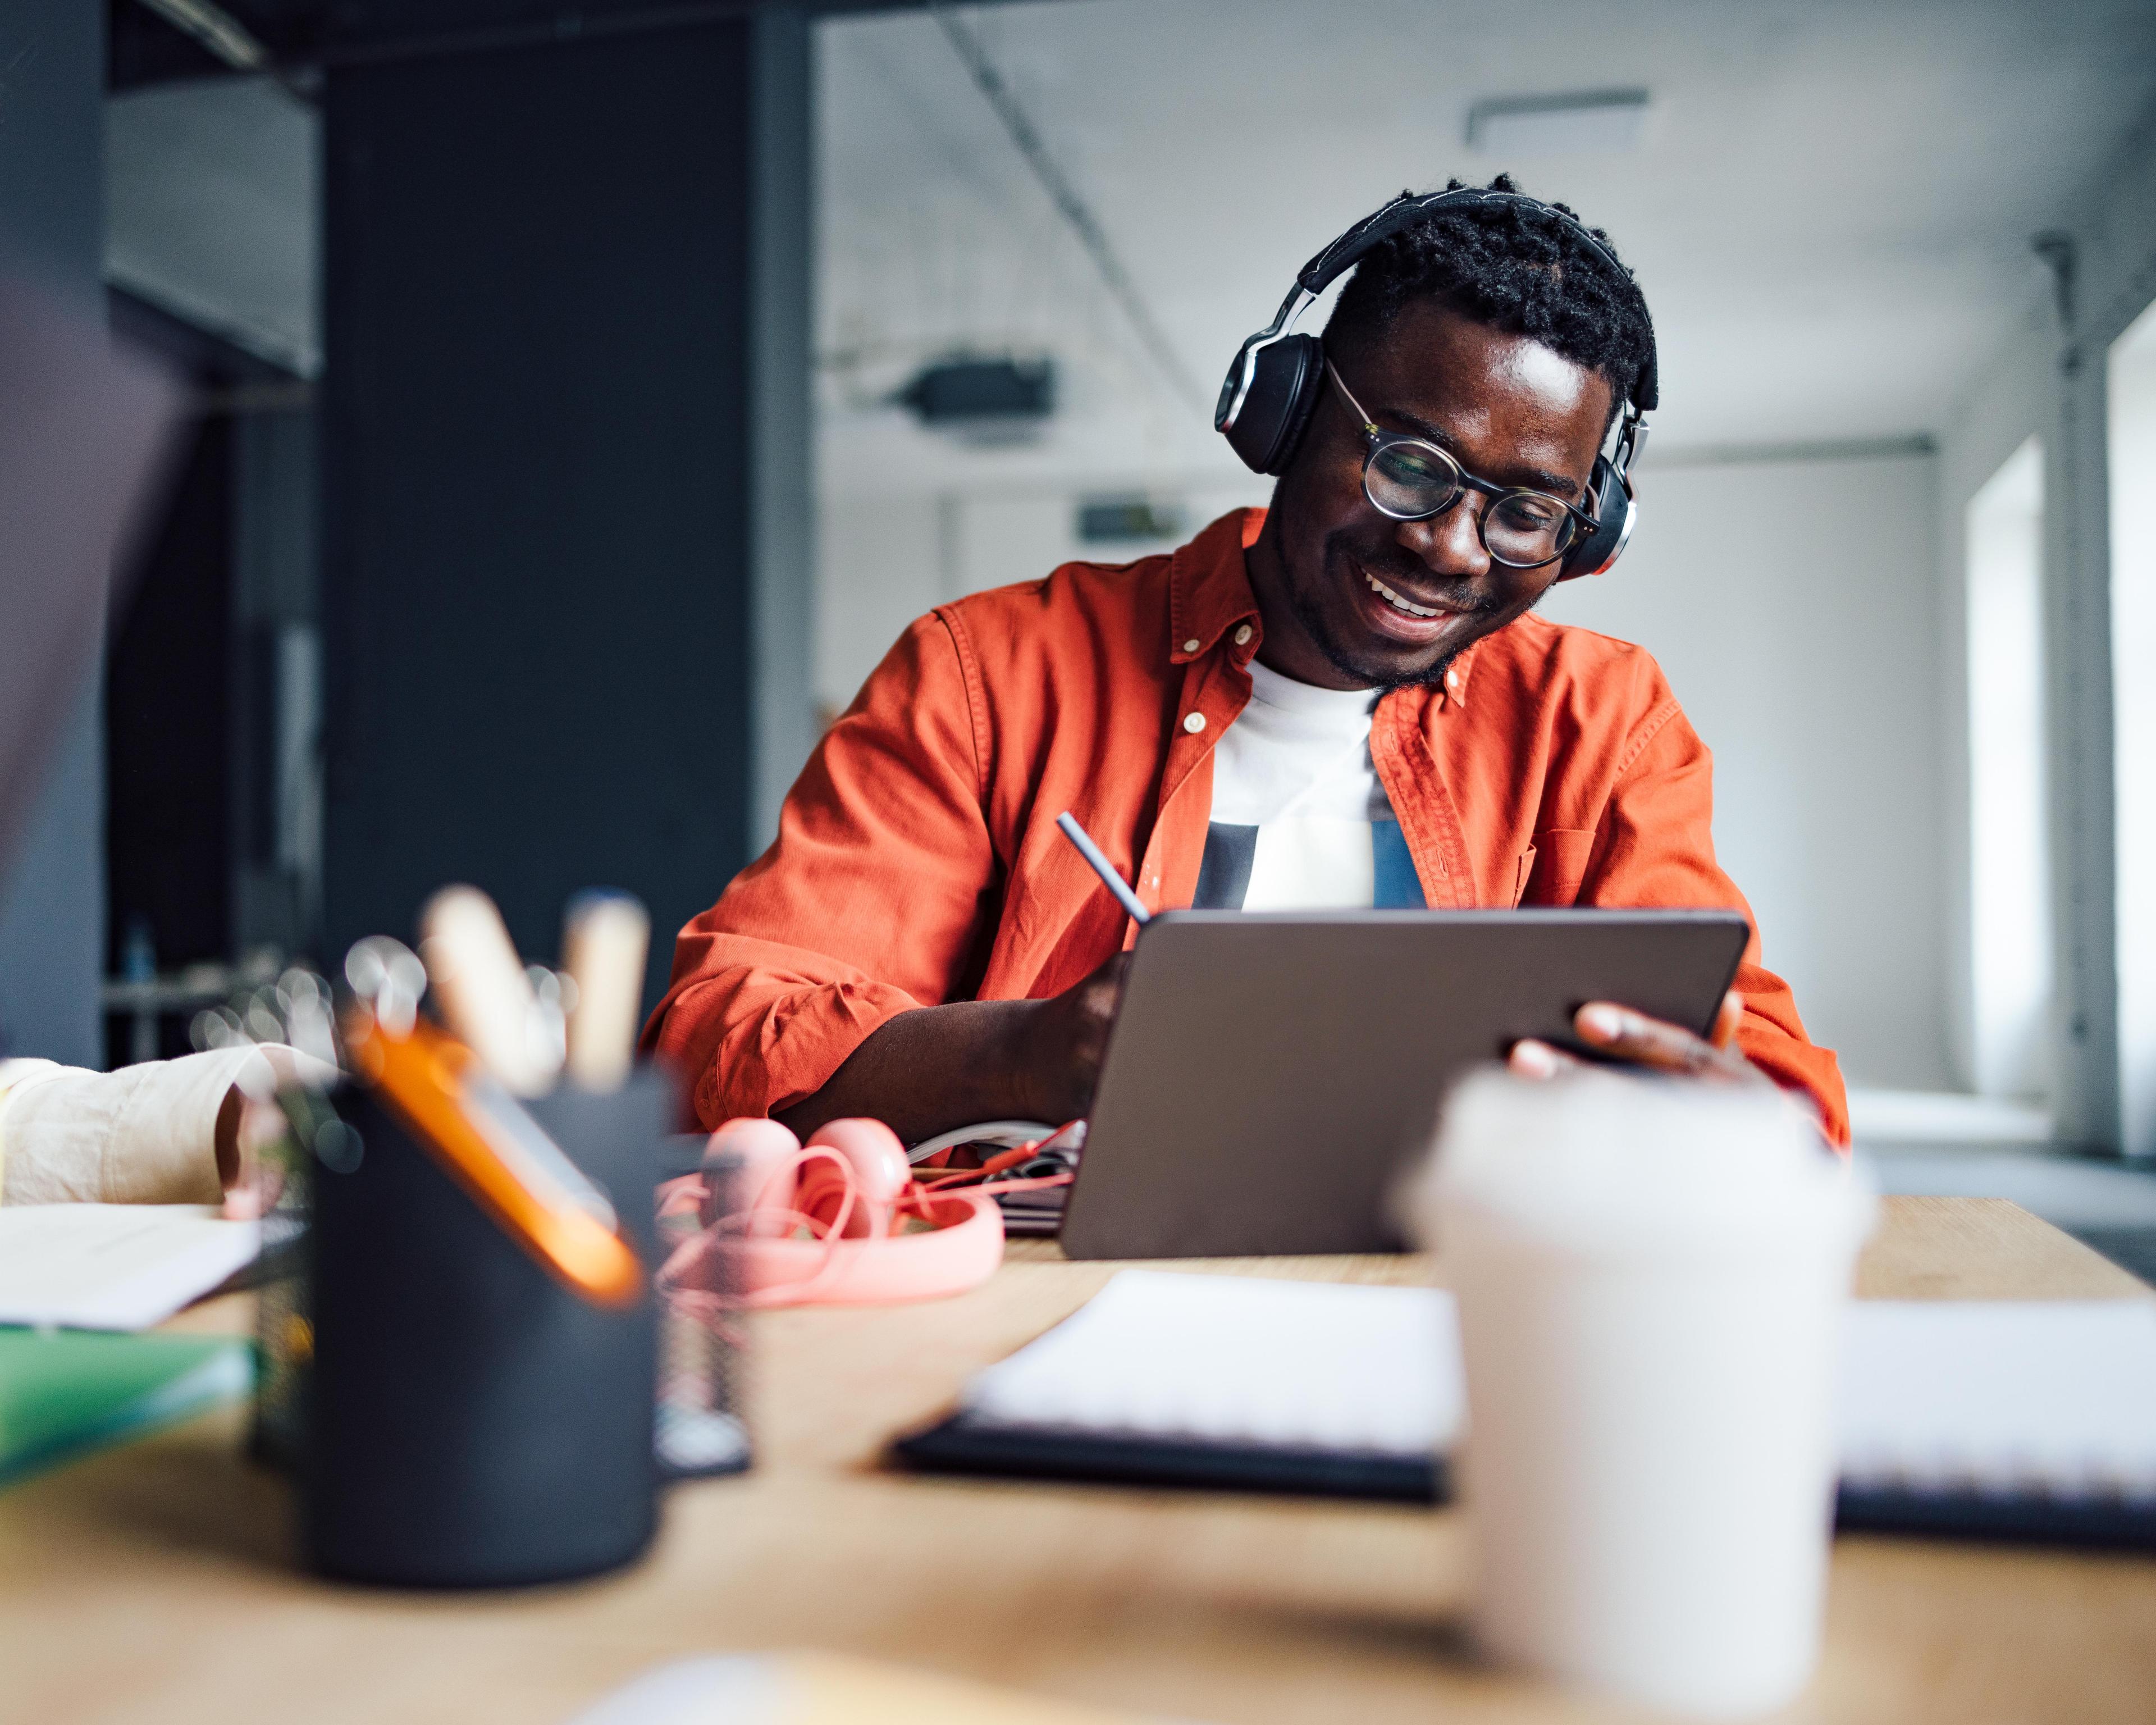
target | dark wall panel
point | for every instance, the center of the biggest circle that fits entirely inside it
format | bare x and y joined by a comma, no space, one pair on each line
536,478
168,686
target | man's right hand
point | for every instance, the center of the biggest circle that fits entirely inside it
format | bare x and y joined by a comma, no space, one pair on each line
937,1067
1065,1039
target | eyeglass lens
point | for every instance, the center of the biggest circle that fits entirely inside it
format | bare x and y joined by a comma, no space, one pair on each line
1411,481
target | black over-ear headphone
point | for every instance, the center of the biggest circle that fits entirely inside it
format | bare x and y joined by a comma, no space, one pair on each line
1275,383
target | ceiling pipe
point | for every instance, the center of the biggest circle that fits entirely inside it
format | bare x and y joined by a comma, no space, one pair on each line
1073,209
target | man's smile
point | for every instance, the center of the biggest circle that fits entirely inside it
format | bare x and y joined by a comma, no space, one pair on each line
1393,613
1398,602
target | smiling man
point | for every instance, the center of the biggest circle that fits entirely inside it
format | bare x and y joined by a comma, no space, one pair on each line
1340,701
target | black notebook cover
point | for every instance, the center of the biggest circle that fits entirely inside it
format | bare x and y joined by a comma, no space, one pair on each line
959,1444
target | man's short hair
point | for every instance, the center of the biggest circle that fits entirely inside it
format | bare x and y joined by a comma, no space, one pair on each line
1511,267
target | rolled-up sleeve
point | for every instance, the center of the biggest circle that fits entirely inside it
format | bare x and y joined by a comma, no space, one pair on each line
874,899
1655,848
146,1134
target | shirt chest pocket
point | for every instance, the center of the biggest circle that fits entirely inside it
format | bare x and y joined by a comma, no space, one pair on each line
1551,868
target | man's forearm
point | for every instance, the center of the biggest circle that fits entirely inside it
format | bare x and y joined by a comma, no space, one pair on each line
929,1069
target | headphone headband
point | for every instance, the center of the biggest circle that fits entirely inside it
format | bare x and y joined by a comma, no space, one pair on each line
1403,211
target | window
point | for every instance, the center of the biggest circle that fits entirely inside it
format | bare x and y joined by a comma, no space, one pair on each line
2010,938
2133,445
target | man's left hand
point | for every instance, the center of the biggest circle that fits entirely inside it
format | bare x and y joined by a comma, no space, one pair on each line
1633,1038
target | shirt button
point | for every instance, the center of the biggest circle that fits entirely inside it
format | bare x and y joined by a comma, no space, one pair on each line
1452,680
1243,636
1190,645
1194,723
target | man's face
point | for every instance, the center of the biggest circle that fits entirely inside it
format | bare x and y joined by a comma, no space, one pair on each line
1509,410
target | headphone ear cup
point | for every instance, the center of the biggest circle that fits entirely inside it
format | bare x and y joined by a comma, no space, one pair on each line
880,1172
760,1146
1276,407
1614,512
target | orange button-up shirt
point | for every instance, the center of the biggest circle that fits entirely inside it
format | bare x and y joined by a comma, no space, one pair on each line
918,860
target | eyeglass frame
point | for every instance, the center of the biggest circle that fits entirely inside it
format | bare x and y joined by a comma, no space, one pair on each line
1378,440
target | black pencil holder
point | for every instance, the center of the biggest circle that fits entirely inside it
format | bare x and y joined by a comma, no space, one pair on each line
469,1420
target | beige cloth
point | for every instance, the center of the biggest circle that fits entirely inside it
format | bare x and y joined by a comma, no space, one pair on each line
146,1134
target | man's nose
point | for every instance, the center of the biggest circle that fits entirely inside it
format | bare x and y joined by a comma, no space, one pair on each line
1448,544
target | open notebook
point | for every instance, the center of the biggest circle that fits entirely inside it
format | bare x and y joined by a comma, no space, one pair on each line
115,1266
2031,1420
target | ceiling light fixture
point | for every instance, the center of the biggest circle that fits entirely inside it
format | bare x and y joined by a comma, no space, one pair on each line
984,399
1596,122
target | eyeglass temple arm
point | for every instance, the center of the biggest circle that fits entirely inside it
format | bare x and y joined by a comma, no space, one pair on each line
1340,383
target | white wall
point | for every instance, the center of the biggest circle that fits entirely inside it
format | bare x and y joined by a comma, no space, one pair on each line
1793,605
879,565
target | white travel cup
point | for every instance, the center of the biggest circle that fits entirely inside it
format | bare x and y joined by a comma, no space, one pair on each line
1651,1276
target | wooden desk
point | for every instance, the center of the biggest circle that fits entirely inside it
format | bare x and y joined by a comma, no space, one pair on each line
156,1584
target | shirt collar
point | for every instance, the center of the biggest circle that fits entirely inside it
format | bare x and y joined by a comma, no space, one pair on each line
1453,690
1209,591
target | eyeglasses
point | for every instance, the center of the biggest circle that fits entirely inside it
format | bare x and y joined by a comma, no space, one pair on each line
1410,478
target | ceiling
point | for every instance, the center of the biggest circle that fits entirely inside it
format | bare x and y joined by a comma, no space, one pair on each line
1829,211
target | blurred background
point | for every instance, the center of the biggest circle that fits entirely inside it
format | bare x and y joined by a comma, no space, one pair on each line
584,398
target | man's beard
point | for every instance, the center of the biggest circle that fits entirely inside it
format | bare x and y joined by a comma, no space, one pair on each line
1337,565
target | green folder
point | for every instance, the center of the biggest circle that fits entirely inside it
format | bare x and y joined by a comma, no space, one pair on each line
66,1392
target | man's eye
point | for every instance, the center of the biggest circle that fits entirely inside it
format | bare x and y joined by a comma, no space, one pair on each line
1532,514
1411,467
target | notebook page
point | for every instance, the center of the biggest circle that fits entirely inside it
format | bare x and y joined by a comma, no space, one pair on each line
114,1266
1240,1359
2053,1395
1996,1395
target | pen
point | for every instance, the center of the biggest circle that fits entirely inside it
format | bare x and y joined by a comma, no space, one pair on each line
1113,881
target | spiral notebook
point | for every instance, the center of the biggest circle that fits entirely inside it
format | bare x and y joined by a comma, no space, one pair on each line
2027,1419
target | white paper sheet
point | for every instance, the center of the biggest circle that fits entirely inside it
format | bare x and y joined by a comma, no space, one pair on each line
1313,1365
114,1266
2055,1394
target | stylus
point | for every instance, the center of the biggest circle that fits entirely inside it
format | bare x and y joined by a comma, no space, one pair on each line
1113,881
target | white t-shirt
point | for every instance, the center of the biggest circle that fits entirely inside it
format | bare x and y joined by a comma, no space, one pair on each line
1299,819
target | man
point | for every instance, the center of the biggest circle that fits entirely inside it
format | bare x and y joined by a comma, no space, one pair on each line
1341,699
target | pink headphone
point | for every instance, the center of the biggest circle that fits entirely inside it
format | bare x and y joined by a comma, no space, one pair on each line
828,1222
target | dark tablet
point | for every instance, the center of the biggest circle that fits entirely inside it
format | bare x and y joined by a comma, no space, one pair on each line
1270,1073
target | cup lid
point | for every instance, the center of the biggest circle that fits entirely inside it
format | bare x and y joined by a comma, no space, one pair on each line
1612,1164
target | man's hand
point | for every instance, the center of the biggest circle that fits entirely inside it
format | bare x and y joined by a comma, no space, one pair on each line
1065,1040
1635,1037
937,1067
